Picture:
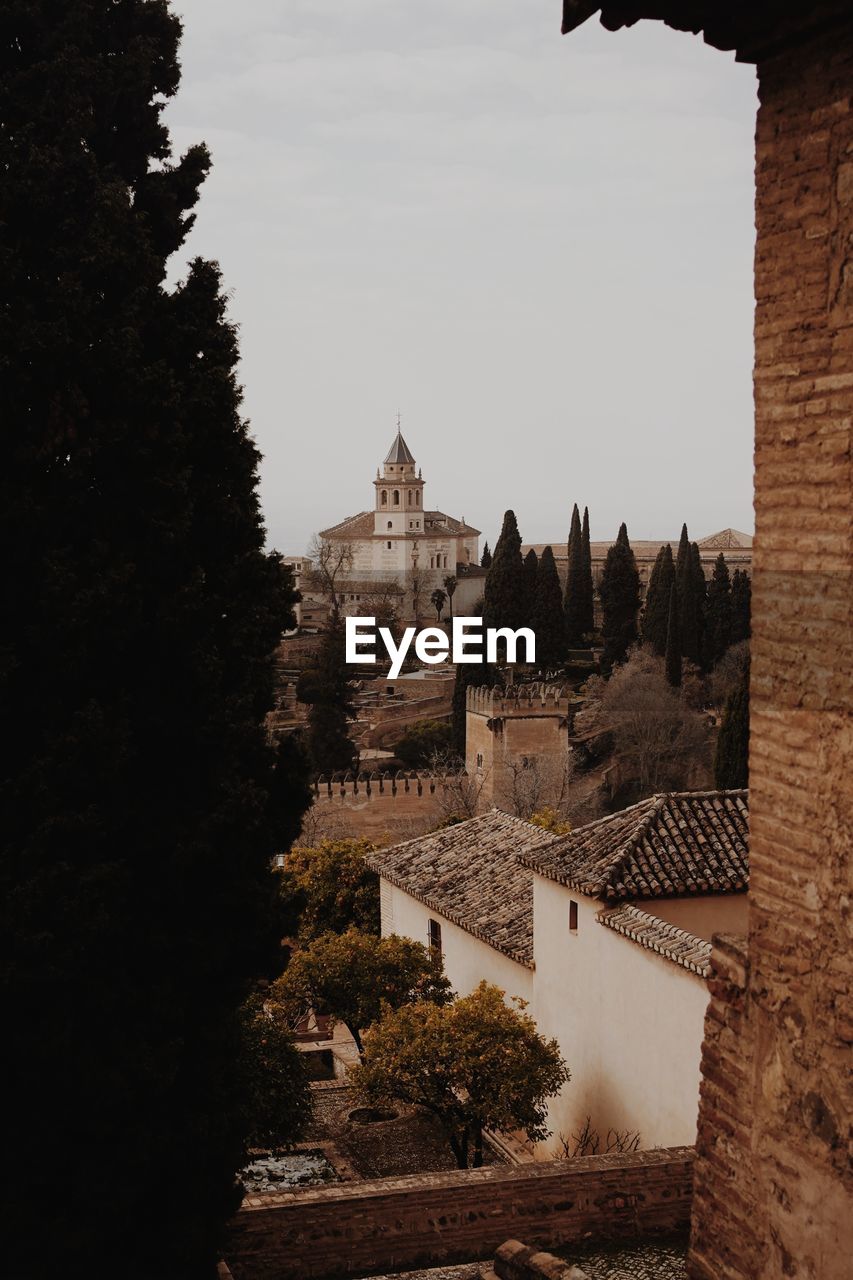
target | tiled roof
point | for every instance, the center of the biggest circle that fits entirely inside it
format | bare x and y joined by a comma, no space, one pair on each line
667,846
469,873
658,935
357,526
400,451
441,520
727,539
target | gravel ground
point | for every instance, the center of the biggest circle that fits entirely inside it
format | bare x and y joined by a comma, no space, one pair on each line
661,1260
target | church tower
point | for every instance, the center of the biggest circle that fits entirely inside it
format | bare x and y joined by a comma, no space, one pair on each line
399,507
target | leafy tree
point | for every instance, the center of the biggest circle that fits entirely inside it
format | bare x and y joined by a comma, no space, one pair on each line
548,617
141,797
673,641
620,598
475,1064
731,762
468,675
485,557
421,741
574,603
352,975
326,689
275,1082
655,621
330,888
438,600
718,612
503,596
529,578
450,585
741,606
587,612
728,673
549,819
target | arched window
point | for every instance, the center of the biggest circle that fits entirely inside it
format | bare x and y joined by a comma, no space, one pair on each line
396,497
410,497
418,498
390,524
385,497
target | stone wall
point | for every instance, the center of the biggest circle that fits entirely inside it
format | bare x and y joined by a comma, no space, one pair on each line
382,809
394,1224
773,1189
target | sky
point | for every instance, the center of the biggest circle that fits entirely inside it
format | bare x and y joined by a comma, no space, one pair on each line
537,248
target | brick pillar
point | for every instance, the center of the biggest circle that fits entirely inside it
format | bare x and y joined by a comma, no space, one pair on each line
771,1196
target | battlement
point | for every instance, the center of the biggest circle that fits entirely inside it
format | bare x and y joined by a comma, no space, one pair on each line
519,700
388,783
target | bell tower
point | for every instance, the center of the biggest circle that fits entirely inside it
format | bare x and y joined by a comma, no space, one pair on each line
399,508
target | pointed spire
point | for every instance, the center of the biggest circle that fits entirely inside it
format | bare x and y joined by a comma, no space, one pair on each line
399,453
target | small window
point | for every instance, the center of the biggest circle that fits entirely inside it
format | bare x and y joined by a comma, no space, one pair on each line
435,936
388,545
385,497
445,562
390,524
396,497
418,498
479,759
573,917
410,497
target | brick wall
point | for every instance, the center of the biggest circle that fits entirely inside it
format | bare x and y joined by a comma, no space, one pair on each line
773,1194
393,1224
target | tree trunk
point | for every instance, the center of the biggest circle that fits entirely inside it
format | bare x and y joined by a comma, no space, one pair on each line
477,1162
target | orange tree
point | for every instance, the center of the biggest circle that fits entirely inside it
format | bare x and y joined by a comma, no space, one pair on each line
475,1064
329,888
353,975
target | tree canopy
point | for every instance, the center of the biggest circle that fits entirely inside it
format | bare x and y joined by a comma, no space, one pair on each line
655,623
548,620
731,762
422,741
620,599
503,595
141,797
327,691
330,888
477,1063
718,612
276,1088
352,975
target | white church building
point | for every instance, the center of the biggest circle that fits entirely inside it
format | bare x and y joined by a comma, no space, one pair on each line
401,540
606,932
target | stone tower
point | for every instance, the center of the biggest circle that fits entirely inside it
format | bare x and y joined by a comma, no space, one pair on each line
398,509
517,743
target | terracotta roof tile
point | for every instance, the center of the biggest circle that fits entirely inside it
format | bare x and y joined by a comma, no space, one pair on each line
469,873
658,935
667,846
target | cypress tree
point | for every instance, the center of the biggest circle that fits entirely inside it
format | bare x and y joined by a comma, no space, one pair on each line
741,605
620,598
486,557
548,618
531,572
655,621
588,593
327,691
503,595
698,591
731,761
673,641
575,605
718,612
689,598
142,802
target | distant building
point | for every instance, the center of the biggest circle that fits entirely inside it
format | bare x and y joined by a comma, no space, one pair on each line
400,543
606,932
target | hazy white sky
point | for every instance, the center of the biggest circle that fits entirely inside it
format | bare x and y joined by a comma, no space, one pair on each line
538,247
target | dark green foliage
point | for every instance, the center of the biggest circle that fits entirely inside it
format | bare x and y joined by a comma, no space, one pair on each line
327,691
531,572
450,584
438,600
741,605
141,799
574,599
587,612
673,641
690,584
620,599
548,618
503,597
718,612
469,675
655,623
485,556
731,762
422,741
275,1082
